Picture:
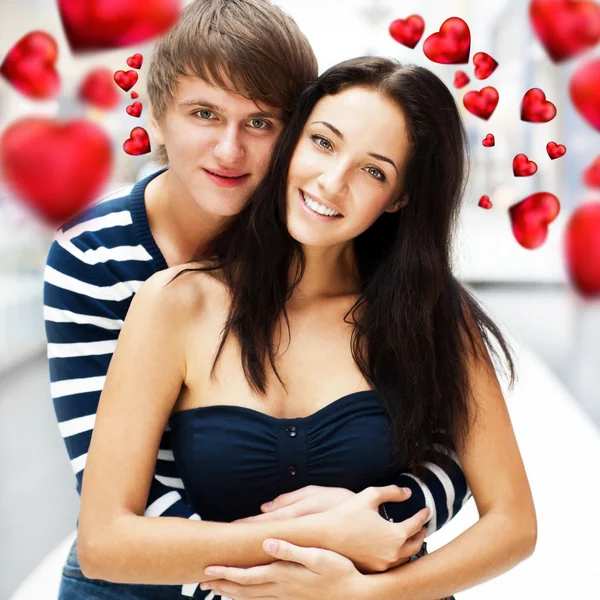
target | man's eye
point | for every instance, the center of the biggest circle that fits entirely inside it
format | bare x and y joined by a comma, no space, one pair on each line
204,114
259,124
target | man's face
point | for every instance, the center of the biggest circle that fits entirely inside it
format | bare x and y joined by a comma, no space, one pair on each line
219,144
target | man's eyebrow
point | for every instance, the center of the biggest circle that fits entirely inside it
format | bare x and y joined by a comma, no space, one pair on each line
341,136
200,102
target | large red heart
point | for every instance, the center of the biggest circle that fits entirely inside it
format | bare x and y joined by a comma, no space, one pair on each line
489,140
591,176
530,218
565,27
98,89
485,65
451,45
483,103
582,248
56,168
29,66
126,79
138,142
460,79
523,167
407,31
100,24
535,108
584,90
135,61
555,150
135,109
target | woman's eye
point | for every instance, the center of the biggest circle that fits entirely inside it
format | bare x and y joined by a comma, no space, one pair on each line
376,173
204,114
318,139
259,124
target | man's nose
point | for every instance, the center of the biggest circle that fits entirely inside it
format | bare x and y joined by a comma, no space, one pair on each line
229,148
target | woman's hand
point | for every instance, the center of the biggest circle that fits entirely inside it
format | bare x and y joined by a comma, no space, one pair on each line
299,574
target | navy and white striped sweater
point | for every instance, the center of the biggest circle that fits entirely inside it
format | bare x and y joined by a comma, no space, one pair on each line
96,264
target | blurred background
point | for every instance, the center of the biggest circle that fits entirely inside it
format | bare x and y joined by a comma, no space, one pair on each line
528,291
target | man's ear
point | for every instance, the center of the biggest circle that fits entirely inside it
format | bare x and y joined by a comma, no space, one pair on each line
155,127
398,204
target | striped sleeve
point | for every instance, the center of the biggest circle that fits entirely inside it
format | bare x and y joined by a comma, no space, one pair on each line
84,308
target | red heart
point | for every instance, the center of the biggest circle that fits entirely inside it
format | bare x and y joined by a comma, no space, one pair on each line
451,45
485,202
135,109
530,218
591,176
138,142
483,103
489,141
407,31
126,80
99,90
56,168
584,90
135,61
582,248
564,27
135,95
460,79
535,108
485,65
523,167
29,66
100,24
555,150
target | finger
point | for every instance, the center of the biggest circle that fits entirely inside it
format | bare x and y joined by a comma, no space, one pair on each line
414,543
251,576
289,498
315,559
414,524
393,493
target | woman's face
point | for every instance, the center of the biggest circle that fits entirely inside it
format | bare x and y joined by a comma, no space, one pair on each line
347,167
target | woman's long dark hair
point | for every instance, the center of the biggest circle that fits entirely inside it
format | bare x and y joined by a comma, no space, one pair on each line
410,334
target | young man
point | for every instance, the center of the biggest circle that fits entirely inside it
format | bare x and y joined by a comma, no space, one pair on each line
221,85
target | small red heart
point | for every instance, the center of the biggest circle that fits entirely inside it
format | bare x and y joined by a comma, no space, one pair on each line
582,248
485,202
591,176
126,79
530,218
461,79
485,65
564,27
483,103
407,31
99,90
138,142
57,168
555,150
135,109
135,95
535,108
101,24
489,140
135,61
29,66
451,45
523,167
584,90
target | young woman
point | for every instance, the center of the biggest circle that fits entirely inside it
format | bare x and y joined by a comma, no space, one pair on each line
326,342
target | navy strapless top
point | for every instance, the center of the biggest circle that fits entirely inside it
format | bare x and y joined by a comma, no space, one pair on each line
233,459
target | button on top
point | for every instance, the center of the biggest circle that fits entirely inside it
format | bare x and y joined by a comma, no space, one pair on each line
291,431
292,470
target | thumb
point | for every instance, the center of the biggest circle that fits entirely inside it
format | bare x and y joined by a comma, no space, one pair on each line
283,550
393,493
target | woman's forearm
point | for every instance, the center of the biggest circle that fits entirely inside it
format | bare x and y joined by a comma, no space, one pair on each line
489,548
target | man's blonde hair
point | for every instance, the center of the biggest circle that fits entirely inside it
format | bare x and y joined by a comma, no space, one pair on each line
249,47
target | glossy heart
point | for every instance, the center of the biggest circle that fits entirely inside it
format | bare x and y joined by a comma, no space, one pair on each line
531,217
485,202
138,142
135,109
523,167
584,90
135,61
582,248
29,66
451,45
565,27
555,150
591,176
461,79
134,95
407,31
57,168
489,140
102,24
483,103
485,65
535,108
126,79
98,89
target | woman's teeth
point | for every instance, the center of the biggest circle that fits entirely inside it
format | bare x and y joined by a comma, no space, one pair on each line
319,208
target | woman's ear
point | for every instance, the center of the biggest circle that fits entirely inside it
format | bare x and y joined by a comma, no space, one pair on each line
398,204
